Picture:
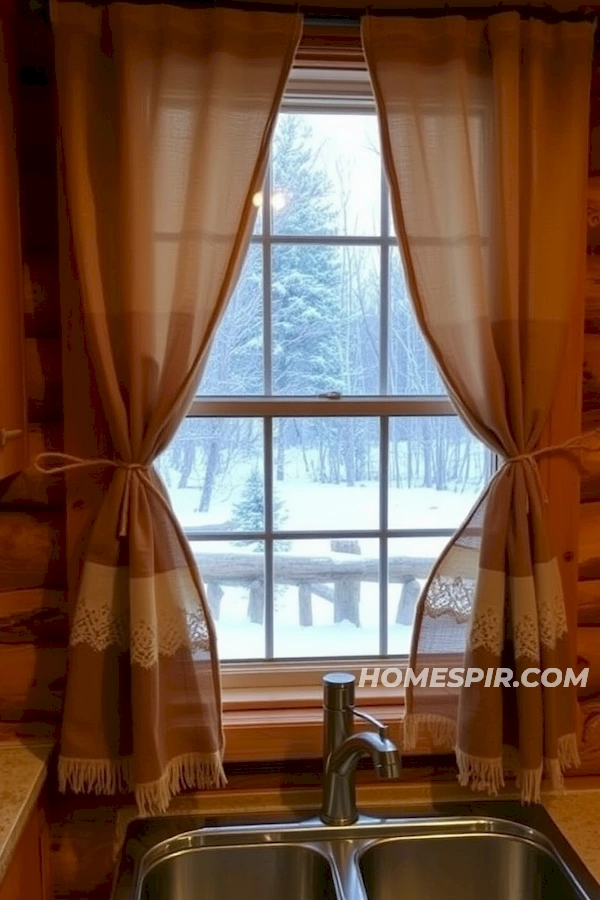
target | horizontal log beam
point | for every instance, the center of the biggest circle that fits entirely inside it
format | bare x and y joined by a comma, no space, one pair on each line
242,568
588,654
35,616
30,490
32,551
589,746
43,379
589,541
32,682
588,603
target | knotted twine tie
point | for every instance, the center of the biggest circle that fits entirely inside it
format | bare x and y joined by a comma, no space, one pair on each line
70,463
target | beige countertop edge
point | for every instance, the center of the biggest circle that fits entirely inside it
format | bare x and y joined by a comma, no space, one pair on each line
23,765
23,768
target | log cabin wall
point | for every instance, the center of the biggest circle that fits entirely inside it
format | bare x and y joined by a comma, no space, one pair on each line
33,603
33,584
588,612
33,617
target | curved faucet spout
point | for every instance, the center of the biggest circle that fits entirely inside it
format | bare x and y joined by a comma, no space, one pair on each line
342,750
385,756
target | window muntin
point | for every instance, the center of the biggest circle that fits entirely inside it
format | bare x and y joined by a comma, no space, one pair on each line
322,468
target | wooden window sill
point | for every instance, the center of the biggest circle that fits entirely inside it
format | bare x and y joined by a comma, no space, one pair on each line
267,724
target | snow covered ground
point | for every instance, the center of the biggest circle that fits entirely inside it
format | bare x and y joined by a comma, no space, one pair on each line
314,507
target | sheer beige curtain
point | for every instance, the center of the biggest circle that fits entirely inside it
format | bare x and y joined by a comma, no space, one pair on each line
484,132
166,116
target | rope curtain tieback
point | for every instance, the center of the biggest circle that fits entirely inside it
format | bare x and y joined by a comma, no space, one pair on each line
69,463
570,448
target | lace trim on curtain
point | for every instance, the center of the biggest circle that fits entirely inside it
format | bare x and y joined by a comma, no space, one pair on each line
159,627
545,623
450,596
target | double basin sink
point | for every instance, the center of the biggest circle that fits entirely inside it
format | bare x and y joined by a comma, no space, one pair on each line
495,850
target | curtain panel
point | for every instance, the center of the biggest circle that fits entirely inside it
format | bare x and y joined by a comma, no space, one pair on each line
484,130
165,118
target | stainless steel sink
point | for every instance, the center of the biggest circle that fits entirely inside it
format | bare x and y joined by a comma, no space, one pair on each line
256,872
463,867
493,850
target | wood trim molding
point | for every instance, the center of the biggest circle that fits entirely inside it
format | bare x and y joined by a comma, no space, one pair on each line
330,47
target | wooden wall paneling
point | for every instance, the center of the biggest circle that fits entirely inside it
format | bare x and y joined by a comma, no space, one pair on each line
589,541
32,682
589,748
13,452
82,843
28,874
35,616
588,603
588,654
32,550
588,597
30,490
590,407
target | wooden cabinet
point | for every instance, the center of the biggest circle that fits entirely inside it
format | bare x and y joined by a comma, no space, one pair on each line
13,426
27,876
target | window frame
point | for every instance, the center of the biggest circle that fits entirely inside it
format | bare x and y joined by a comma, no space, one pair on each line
251,682
267,718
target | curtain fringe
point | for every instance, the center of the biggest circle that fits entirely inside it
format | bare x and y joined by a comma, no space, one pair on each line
440,729
106,776
529,781
568,757
93,776
480,773
190,770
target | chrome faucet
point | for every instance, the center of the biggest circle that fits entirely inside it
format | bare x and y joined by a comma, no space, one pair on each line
342,749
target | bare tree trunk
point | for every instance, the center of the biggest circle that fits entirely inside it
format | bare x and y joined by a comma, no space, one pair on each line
349,460
212,467
280,460
189,456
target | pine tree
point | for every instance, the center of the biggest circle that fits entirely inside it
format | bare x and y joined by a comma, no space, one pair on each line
305,289
249,511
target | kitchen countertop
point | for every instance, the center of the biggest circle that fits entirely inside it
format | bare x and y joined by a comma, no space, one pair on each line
576,811
23,767
577,814
22,774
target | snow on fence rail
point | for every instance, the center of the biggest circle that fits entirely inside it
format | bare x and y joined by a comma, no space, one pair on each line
313,575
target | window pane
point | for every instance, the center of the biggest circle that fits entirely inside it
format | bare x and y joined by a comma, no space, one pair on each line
326,175
437,469
213,470
412,369
235,363
326,473
410,561
325,319
326,598
234,579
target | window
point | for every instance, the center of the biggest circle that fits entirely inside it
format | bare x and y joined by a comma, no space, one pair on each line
321,469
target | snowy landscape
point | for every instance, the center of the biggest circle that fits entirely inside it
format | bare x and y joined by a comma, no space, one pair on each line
315,327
